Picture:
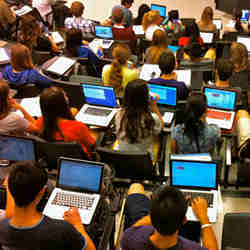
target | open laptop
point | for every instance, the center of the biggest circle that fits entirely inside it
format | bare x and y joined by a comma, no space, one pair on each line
218,23
78,185
167,101
138,30
207,37
196,179
104,34
246,41
149,71
245,16
161,8
221,106
100,107
4,56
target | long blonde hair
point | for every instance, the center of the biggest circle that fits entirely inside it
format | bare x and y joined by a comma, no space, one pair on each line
150,18
239,56
207,16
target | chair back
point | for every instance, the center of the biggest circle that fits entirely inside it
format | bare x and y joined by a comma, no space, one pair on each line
40,57
26,91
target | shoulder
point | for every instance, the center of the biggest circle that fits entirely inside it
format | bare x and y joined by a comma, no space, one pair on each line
188,244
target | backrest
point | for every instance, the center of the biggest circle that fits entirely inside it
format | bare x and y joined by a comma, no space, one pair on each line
40,57
26,91
128,164
236,231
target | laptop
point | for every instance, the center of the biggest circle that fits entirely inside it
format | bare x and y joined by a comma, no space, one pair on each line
100,107
218,23
4,56
246,41
245,16
221,106
207,37
104,34
167,101
149,71
138,30
194,179
31,105
162,9
78,185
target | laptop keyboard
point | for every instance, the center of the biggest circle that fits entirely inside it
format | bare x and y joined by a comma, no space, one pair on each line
73,200
97,112
218,115
207,196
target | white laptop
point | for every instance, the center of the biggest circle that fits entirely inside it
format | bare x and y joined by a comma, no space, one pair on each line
78,185
221,106
150,71
196,179
207,37
104,35
31,105
246,41
4,56
218,23
138,29
100,107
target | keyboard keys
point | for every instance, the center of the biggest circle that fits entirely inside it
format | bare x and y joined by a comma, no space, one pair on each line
209,197
98,112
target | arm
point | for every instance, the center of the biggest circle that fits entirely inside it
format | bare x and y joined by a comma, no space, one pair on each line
39,79
144,221
86,138
155,109
10,203
199,207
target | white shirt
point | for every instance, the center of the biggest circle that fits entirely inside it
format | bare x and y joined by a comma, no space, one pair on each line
150,31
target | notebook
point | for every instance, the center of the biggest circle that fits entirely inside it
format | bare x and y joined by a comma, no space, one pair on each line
78,185
218,23
162,9
246,41
207,37
167,101
221,106
100,107
196,178
104,35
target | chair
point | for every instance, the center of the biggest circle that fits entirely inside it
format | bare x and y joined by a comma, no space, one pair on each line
26,91
236,231
40,57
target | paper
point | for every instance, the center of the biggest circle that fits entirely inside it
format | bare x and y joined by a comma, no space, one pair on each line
57,37
3,55
150,71
61,65
207,37
24,10
138,29
32,106
184,76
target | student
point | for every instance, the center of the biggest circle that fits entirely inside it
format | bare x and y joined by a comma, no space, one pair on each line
174,24
22,71
77,21
26,184
150,23
10,122
119,74
155,224
143,9
195,135
43,6
206,22
168,76
138,120
159,45
58,123
7,16
224,70
236,25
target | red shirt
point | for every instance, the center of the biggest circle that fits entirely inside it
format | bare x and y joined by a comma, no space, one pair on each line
184,41
72,130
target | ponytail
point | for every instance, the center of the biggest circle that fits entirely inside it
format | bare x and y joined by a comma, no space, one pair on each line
115,77
238,26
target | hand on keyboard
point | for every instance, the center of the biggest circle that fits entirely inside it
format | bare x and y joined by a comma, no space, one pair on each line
72,216
199,206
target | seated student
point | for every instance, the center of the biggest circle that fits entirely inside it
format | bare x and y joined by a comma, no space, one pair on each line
156,223
59,123
119,74
138,120
174,24
159,45
22,71
25,226
224,70
206,22
150,23
144,8
168,76
77,21
10,122
7,16
120,32
195,135
43,6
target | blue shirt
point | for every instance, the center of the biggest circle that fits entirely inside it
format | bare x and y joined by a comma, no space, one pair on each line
86,52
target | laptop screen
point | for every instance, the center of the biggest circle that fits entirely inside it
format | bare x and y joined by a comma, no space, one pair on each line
218,23
168,95
207,37
160,8
17,149
4,55
245,40
188,174
80,175
245,16
220,98
104,32
99,95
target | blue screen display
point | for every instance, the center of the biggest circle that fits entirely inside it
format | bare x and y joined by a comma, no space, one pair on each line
99,95
167,94
80,175
245,15
161,9
16,149
173,48
104,32
194,174
221,99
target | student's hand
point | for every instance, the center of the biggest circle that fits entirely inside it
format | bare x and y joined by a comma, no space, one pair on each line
73,216
85,42
154,98
199,206
14,104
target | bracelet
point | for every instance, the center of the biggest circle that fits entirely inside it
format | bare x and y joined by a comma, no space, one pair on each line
206,225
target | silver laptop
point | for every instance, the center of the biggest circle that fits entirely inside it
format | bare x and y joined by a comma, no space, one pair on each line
207,37
78,185
196,179
100,107
105,35
221,104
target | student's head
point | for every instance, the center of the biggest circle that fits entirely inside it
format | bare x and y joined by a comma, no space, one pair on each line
168,210
224,69
237,14
151,18
77,9
26,183
4,97
239,56
194,50
167,62
160,39
144,8
127,3
192,31
20,58
207,15
73,41
54,105
117,15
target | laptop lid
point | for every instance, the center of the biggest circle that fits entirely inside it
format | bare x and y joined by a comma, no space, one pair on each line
245,40
245,15
14,148
207,37
162,9
104,32
220,98
79,175
218,23
150,71
4,56
167,94
99,95
193,174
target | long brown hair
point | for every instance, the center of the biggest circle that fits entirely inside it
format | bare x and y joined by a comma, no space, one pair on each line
4,99
207,16
239,56
20,58
150,18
